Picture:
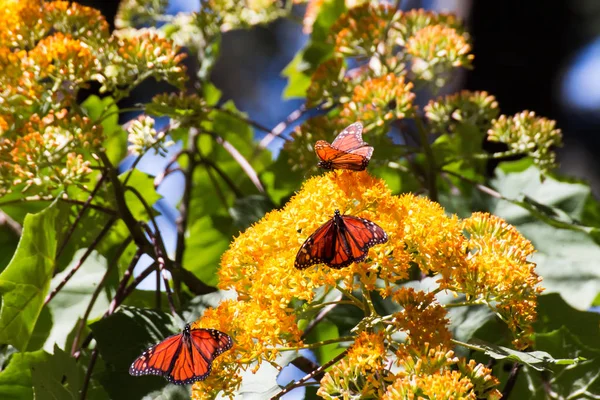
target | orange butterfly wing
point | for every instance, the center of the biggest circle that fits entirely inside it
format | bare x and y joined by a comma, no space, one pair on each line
184,358
348,151
157,360
318,248
339,242
350,138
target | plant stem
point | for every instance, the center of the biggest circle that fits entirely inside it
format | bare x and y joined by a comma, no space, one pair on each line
88,373
87,253
80,215
312,375
281,127
318,344
83,321
431,167
512,379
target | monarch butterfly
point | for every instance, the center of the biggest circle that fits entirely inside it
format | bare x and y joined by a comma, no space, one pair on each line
339,242
183,358
347,151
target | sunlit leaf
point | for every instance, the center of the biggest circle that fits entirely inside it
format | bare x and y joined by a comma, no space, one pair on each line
25,281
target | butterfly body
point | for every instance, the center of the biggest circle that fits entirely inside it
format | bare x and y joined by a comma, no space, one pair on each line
347,151
339,242
183,358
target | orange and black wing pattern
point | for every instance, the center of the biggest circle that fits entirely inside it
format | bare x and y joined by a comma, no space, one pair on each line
342,240
183,358
348,151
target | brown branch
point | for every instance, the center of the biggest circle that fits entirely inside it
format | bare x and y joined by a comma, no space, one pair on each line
282,126
105,210
83,321
512,379
88,373
123,284
482,188
241,160
236,191
86,205
10,223
132,224
307,366
117,302
320,316
316,372
87,253
255,124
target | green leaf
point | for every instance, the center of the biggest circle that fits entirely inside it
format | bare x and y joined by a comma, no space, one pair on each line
298,81
467,322
211,93
15,379
538,360
25,281
70,304
249,209
57,377
116,138
208,239
317,50
565,258
554,313
573,381
325,330
280,180
121,338
9,241
144,184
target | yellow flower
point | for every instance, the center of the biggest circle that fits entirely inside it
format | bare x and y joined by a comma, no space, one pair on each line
432,374
328,84
497,271
23,23
423,319
525,133
474,108
417,19
435,50
257,330
469,256
363,373
78,20
46,153
359,31
380,100
61,57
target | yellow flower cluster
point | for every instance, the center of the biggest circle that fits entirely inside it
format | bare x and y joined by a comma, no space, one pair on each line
62,58
414,20
435,50
359,31
432,374
423,319
46,155
22,23
473,108
328,84
48,52
482,257
525,133
380,100
25,22
362,372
